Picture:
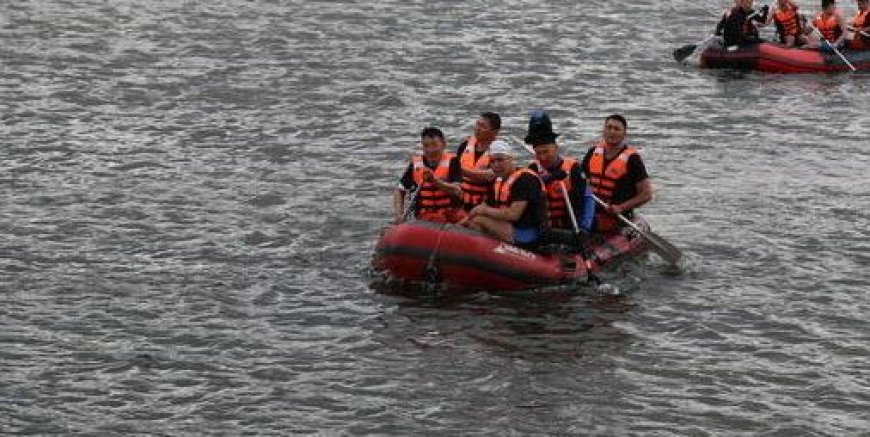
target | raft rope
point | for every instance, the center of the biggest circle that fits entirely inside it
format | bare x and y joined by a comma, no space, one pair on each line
430,271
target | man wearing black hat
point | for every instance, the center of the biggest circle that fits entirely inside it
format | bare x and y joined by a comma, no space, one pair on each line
557,172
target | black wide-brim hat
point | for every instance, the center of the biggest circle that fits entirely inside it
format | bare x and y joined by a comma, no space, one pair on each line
540,129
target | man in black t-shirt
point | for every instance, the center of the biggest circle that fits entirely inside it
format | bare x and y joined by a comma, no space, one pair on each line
617,174
434,176
514,209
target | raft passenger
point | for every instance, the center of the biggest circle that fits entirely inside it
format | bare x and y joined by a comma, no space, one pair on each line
514,208
789,23
473,156
861,27
617,174
555,171
434,175
738,25
831,24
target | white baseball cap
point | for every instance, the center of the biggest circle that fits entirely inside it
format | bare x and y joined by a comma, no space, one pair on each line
501,147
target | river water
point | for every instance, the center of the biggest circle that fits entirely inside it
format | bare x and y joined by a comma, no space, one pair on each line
191,192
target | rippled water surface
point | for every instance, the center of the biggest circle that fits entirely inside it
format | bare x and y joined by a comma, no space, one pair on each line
191,192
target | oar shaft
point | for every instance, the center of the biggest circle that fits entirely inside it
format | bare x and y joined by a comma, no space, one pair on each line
823,39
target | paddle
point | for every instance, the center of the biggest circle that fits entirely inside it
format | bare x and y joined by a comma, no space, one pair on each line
822,38
662,247
685,51
581,239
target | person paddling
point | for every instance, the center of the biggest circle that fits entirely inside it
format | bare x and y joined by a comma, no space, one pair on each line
434,175
617,174
738,25
832,27
514,209
556,170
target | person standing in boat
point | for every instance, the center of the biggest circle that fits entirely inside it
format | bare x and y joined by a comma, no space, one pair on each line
861,27
789,23
617,174
555,171
738,25
434,176
831,24
514,208
473,156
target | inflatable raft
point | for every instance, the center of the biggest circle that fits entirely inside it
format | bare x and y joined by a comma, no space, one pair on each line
774,58
458,257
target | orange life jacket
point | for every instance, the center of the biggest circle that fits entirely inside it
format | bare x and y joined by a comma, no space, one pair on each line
604,179
473,192
860,41
787,21
433,203
557,207
502,187
828,27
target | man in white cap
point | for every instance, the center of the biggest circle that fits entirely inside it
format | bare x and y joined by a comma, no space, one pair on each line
514,209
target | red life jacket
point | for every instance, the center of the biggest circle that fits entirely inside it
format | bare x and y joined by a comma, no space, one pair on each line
433,203
828,27
787,21
557,207
604,180
473,192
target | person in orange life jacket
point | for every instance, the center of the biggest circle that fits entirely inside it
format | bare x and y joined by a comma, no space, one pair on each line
514,209
738,24
617,175
861,27
437,174
555,170
473,155
831,25
789,23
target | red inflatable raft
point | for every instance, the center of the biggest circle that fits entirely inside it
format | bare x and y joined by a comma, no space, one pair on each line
462,258
774,58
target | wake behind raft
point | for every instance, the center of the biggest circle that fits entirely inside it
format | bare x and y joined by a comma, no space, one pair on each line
458,257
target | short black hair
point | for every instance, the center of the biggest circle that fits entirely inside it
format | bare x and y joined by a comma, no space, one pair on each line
826,3
618,118
431,132
493,119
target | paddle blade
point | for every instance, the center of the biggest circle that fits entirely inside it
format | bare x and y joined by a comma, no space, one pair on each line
662,247
684,52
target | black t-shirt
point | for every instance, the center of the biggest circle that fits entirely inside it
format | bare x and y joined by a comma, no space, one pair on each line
735,29
455,174
526,187
626,187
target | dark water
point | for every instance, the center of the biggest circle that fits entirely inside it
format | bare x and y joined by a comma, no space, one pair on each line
191,192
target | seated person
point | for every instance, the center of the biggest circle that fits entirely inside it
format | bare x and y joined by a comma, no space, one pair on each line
861,27
514,208
738,24
434,176
560,174
789,23
831,25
